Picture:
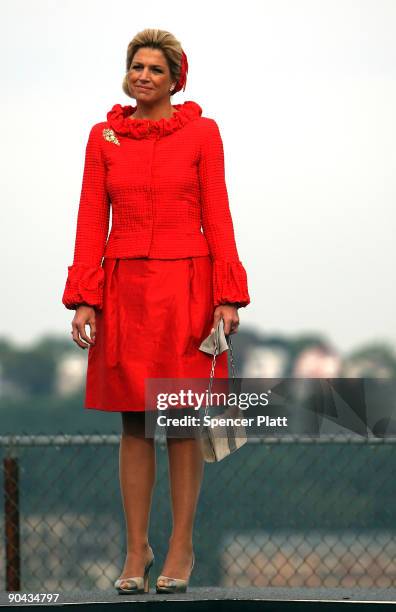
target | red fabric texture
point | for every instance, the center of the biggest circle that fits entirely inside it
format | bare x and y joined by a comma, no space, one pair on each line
155,314
164,182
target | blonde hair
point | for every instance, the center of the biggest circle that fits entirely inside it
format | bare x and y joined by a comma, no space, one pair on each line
156,39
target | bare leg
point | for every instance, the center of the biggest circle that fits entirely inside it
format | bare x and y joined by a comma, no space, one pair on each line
137,466
186,471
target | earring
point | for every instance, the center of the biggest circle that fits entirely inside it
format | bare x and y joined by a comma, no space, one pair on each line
172,88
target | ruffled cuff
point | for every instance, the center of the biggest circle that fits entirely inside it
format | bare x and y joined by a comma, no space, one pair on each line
84,285
230,283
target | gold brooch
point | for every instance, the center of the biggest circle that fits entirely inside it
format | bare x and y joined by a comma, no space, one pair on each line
110,136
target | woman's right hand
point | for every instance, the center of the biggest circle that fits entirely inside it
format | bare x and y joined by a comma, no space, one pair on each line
85,315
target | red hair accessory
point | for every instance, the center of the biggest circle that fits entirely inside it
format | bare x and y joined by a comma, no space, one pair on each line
181,83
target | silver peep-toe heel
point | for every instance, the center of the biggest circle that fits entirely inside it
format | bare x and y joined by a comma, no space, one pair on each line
173,585
135,584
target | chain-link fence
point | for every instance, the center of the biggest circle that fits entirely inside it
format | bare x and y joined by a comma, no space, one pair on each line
279,512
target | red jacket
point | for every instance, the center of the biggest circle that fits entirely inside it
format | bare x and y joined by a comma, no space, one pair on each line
163,180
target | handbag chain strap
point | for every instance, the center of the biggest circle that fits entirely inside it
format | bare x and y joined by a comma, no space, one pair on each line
212,369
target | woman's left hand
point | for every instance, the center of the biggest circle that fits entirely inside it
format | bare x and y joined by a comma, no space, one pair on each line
229,314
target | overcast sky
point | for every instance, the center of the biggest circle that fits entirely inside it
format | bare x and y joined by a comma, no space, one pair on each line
304,93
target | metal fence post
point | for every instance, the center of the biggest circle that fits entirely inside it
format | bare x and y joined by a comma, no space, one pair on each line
11,523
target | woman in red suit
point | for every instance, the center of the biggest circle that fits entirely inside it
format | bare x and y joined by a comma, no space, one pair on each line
156,286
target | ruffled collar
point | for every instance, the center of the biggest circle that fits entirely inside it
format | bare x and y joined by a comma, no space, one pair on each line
119,120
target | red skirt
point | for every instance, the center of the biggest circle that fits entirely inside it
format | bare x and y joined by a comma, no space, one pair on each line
155,314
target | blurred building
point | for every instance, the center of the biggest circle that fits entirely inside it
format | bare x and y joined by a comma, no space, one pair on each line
366,367
70,375
317,362
265,361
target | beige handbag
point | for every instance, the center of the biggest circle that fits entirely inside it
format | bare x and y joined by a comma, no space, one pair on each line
222,440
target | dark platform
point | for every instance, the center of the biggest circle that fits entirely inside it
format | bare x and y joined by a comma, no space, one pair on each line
230,599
